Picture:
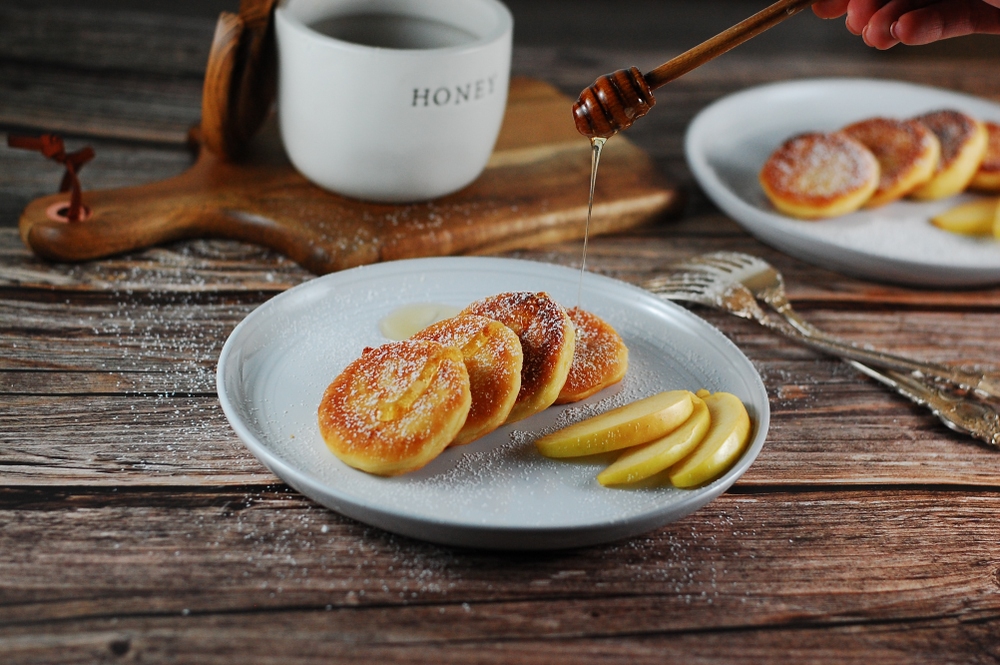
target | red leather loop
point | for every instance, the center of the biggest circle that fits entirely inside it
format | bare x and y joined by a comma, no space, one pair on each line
52,146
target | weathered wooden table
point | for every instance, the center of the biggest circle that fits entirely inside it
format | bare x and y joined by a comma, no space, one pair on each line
135,527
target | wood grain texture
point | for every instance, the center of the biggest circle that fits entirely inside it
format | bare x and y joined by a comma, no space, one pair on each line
297,640
240,79
532,191
181,439
236,581
134,526
140,336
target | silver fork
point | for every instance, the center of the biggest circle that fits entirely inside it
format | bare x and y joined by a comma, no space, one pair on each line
974,418
767,284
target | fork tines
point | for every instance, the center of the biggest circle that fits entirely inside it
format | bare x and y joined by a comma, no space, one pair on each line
687,281
701,288
728,262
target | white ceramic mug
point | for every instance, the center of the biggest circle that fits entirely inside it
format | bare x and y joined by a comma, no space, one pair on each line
411,119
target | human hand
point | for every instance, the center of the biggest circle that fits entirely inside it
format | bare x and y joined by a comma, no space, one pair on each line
885,23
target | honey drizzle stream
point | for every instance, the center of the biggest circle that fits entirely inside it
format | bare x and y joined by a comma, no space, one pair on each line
596,144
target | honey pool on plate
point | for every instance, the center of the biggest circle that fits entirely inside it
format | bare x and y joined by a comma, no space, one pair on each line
497,491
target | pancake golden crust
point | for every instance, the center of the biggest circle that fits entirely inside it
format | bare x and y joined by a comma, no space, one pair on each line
814,176
492,355
907,153
987,178
963,144
396,407
547,342
600,357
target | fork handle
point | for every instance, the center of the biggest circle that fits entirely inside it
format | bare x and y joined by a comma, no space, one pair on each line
976,419
986,384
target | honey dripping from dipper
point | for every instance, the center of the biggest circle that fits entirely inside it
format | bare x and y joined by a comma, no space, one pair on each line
618,99
596,145
611,104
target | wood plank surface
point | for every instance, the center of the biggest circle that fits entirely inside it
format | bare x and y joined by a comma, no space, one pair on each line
184,440
180,577
135,527
145,350
532,191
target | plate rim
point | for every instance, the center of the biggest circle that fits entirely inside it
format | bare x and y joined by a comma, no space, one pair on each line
781,233
500,537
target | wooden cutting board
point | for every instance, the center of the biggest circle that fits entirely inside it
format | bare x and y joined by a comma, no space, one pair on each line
533,191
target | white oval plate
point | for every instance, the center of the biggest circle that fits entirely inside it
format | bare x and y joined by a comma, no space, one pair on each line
497,492
729,141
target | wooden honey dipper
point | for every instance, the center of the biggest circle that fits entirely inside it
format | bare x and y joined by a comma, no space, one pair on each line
616,100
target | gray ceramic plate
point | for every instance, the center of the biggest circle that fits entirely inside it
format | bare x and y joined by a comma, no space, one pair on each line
497,492
729,141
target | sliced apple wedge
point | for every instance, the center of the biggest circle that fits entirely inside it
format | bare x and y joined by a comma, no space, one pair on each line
722,445
629,425
646,460
975,218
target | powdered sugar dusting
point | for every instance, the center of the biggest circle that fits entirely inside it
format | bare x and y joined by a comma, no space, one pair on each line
396,402
729,142
953,129
477,493
493,358
903,148
544,329
599,356
819,167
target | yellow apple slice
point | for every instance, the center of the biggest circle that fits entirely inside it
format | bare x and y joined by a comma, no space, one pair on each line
975,218
629,425
996,222
725,440
646,460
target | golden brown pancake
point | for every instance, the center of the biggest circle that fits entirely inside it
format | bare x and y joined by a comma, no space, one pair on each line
963,145
987,178
814,176
396,407
600,357
493,358
547,342
907,153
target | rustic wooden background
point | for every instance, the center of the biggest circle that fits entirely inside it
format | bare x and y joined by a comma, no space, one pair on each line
134,527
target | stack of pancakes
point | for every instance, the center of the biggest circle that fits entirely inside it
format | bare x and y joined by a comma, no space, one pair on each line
500,360
879,160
